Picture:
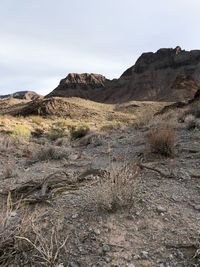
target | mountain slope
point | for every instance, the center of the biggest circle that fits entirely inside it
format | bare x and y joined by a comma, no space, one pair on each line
167,75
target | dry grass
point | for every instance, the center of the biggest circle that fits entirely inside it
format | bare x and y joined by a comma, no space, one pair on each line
8,170
116,190
50,152
55,133
21,133
161,141
191,122
36,119
28,240
79,131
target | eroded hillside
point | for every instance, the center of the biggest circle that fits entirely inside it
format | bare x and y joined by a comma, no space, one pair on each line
104,185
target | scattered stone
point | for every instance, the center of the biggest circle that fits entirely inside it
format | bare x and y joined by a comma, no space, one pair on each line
197,207
161,209
97,231
130,265
144,254
105,248
136,257
74,216
72,264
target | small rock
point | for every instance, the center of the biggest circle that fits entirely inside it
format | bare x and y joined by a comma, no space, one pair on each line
197,207
144,254
97,231
105,248
130,265
161,209
74,216
72,264
13,214
137,257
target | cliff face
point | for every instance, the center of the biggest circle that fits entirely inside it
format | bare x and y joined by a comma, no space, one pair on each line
84,85
167,75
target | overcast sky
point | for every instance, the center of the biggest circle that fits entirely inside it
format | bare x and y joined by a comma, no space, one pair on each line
41,41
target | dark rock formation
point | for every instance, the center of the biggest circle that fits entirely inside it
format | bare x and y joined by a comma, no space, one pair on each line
80,85
26,95
167,75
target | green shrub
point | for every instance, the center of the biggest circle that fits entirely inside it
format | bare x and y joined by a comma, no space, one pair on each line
79,131
21,133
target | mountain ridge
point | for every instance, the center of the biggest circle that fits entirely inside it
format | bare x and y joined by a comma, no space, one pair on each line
166,75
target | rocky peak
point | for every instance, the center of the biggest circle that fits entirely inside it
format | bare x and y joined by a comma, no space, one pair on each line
169,74
92,79
81,85
166,58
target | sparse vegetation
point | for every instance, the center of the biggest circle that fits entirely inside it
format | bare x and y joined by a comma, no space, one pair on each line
55,133
36,119
162,141
116,190
191,122
23,239
21,133
111,126
50,152
79,131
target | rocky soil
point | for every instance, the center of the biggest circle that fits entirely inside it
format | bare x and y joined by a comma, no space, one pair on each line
56,203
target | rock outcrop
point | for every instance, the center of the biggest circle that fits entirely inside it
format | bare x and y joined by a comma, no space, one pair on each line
26,95
84,85
167,75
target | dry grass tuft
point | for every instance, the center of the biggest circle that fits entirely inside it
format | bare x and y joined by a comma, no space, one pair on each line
162,141
191,122
21,133
50,152
116,190
79,131
28,240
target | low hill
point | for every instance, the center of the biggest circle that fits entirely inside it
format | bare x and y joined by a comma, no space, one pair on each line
26,95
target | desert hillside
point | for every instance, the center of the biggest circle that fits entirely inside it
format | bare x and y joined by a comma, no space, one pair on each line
84,183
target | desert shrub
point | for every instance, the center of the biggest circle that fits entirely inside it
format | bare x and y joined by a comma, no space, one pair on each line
37,133
55,133
62,141
36,119
191,122
21,133
161,141
8,170
93,139
64,123
79,131
195,111
50,153
116,190
111,126
25,241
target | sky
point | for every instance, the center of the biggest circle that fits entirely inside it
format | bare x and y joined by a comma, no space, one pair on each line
41,41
